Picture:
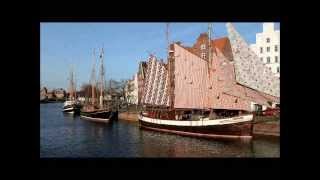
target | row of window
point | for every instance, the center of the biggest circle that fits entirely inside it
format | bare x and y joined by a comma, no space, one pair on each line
268,49
268,59
278,69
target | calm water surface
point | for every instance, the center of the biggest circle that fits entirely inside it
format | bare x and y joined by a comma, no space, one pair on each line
63,135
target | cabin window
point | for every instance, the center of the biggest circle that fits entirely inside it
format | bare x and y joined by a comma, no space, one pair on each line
268,49
261,49
268,40
276,59
275,48
268,59
203,46
278,69
203,55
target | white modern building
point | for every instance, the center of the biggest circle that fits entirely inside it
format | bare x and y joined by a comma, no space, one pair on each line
267,47
132,90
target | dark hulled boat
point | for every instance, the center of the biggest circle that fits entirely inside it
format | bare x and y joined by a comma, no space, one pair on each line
98,112
98,115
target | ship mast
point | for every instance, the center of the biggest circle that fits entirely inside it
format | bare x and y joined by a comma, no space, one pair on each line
71,85
93,78
167,38
170,69
75,86
209,46
102,73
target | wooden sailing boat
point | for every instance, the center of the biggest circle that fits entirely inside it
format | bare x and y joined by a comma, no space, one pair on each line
71,105
97,111
192,96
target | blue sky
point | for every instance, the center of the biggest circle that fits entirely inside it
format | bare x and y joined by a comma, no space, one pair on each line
125,44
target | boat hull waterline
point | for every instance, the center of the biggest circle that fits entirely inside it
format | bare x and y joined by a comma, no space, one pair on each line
98,116
237,127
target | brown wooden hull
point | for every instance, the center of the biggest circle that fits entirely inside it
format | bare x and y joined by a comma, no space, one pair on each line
236,130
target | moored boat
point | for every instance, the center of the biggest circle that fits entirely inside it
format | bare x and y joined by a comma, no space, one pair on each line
207,94
99,115
233,127
71,105
93,111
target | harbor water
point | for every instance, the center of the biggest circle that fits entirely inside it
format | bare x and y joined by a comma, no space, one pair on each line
67,136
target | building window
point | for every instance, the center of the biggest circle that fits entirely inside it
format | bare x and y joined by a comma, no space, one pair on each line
268,40
275,48
278,69
203,47
268,49
276,59
261,49
203,55
268,59
261,58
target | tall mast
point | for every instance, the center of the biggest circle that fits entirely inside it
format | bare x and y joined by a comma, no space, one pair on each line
93,78
209,45
75,86
167,39
71,84
170,69
101,78
110,91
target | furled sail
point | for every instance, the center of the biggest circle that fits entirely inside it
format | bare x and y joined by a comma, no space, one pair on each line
156,84
249,70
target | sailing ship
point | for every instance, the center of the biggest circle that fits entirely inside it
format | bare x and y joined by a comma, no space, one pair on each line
206,97
98,111
71,105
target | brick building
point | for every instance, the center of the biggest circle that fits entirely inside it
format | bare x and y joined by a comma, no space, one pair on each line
200,47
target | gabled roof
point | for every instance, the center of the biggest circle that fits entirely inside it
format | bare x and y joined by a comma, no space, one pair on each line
220,43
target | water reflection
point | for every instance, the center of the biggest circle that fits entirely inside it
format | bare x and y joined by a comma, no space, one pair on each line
156,144
64,135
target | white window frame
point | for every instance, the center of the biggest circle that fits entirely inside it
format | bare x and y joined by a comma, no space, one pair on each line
268,40
203,46
268,60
